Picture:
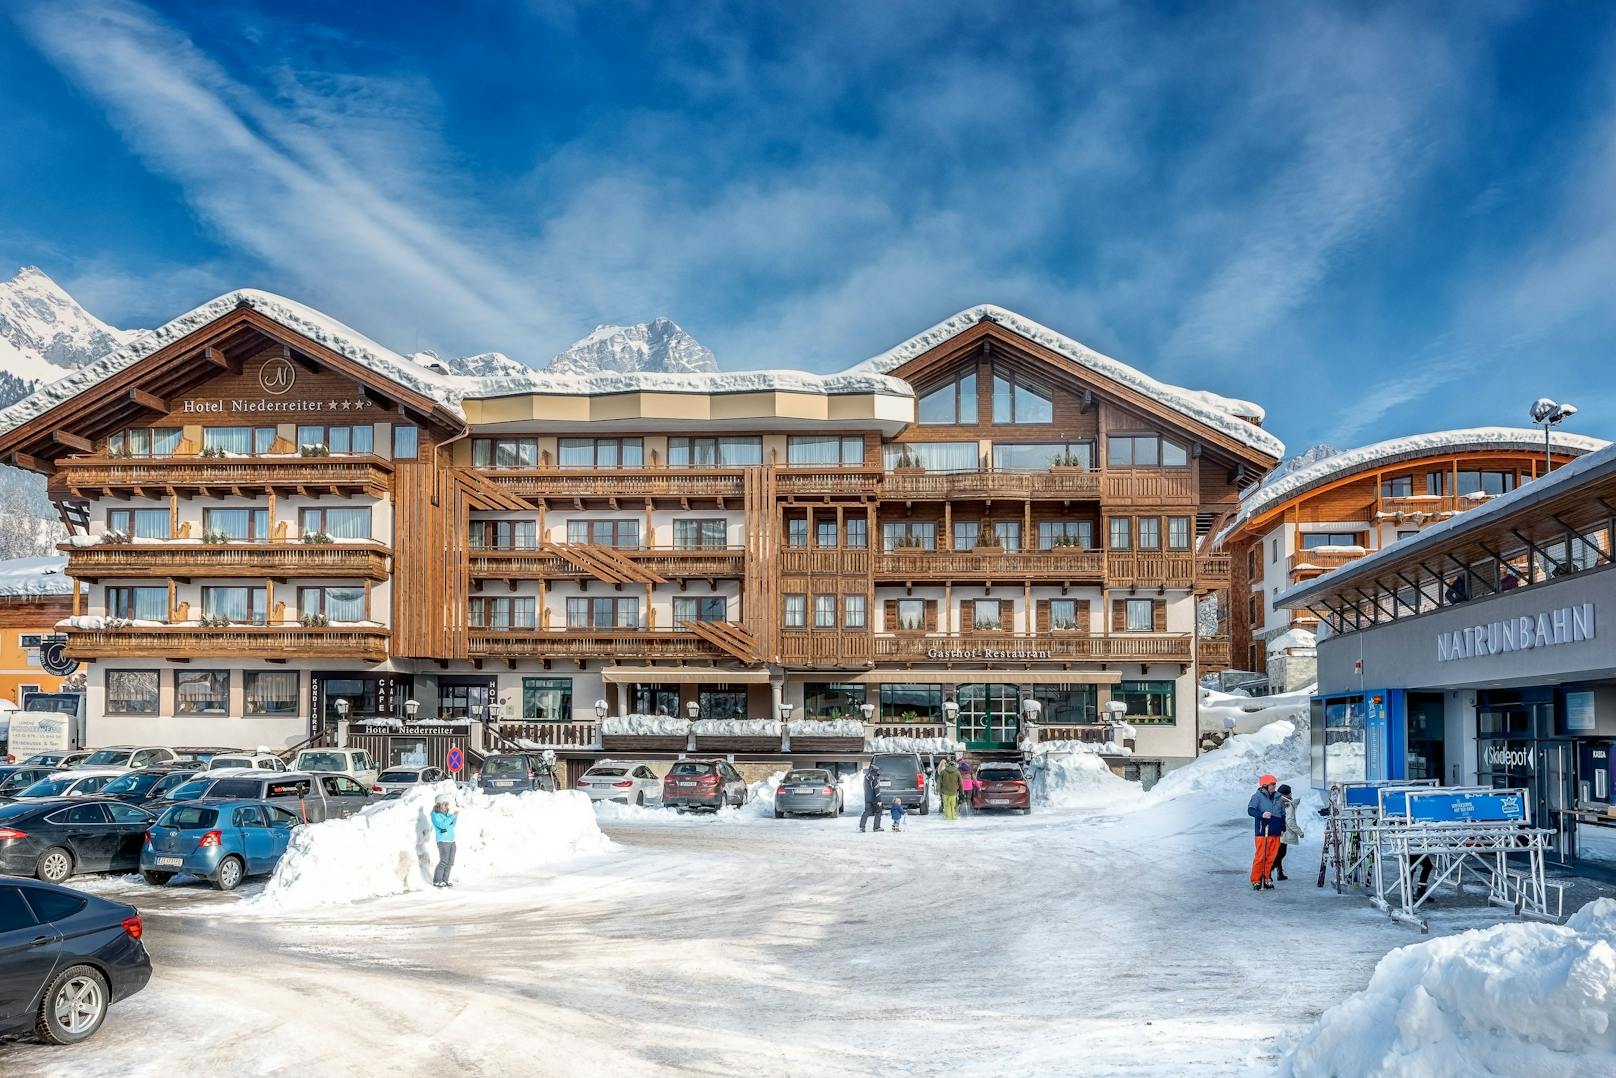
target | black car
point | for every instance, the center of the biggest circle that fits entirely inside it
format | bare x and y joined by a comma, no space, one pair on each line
147,784
15,778
54,839
65,956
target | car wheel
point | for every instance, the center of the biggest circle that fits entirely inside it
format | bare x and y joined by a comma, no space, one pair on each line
925,806
72,1007
54,865
639,799
228,875
779,815
156,879
1027,811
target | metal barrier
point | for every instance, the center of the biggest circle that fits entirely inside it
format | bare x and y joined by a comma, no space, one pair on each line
1349,831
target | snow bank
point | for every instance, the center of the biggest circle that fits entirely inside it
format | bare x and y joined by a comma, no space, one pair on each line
1079,780
1230,771
826,728
736,727
1517,999
1106,748
644,726
1222,712
389,847
941,745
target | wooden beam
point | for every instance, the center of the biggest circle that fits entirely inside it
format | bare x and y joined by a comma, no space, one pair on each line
212,355
72,441
27,462
148,400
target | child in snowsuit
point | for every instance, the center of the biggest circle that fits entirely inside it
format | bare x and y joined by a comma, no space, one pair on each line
897,815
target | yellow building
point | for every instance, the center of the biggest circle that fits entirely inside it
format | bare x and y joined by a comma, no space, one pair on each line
35,594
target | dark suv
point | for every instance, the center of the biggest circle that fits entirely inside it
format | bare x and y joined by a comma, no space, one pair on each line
515,773
703,784
904,779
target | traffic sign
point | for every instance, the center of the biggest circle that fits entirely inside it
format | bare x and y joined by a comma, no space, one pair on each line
456,761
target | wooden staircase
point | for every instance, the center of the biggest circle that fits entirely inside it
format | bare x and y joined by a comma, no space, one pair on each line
480,493
726,635
604,563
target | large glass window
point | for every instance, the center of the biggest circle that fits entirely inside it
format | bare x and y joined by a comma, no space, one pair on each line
621,533
144,442
1149,703
908,534
132,692
1314,540
406,441
714,452
338,440
1145,451
505,452
1493,483
504,535
237,525
989,714
1042,456
654,700
699,608
911,703
825,533
547,699
796,532
911,616
269,692
1017,400
989,615
351,522
602,452
1063,614
238,441
1401,486
464,701
1345,753
953,402
602,612
142,604
832,700
1065,533
811,449
332,603
201,692
1067,705
932,456
700,534
722,703
502,612
237,605
966,533
139,523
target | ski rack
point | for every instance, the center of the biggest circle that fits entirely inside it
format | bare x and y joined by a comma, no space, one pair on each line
1349,831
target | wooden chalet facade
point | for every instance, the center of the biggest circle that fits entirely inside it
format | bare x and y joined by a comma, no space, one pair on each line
279,524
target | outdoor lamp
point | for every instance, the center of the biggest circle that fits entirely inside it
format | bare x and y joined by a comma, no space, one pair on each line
600,709
1030,708
495,710
693,709
1550,414
342,708
869,711
412,708
1117,709
785,712
950,710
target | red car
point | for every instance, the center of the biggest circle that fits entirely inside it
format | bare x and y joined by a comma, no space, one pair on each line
703,784
1001,786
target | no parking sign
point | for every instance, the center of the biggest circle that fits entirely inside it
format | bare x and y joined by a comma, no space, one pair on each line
456,761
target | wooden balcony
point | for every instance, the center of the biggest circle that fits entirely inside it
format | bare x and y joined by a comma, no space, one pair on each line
1062,563
1150,487
1212,571
1047,647
1063,484
804,647
630,644
565,484
671,563
147,477
364,643
1321,559
818,481
1149,569
259,561
1213,654
806,562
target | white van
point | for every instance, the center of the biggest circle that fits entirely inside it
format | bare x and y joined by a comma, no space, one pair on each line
354,762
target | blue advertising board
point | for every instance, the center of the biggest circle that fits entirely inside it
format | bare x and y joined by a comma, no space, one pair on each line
1449,806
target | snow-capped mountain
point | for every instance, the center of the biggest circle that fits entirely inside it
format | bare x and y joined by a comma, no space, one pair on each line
482,365
44,332
1311,455
659,346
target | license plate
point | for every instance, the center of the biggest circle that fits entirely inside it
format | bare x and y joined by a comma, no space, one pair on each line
683,784
504,782
998,800
170,862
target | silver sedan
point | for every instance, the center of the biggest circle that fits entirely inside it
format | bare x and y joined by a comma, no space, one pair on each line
811,791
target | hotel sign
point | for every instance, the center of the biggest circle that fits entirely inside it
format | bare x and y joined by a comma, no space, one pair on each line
1565,625
988,654
242,405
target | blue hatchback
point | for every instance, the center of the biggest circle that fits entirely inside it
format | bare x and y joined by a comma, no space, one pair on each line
224,841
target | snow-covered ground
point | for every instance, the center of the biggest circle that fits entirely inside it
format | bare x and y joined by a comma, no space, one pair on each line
1116,937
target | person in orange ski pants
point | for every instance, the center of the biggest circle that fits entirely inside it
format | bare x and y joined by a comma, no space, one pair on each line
1267,813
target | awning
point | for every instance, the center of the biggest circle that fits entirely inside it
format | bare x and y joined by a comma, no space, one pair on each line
682,675
889,676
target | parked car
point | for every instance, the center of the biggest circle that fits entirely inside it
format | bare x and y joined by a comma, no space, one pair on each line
220,840
630,783
57,760
65,957
201,754
193,787
354,762
393,782
1001,786
15,778
148,784
809,790
310,798
262,761
55,839
516,772
127,757
703,784
904,779
70,783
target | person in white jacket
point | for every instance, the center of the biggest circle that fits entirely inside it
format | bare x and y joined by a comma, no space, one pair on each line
1292,835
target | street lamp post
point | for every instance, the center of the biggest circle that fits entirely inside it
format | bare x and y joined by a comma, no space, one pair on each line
1549,414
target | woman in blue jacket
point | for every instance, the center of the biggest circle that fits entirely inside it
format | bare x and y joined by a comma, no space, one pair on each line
443,827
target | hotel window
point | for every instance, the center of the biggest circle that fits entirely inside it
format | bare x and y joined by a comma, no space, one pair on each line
138,604
911,616
1145,451
796,611
1273,549
721,703
505,452
853,612
654,700
1149,533
709,534
911,703
912,534
1065,533
237,605
1121,533
406,441
714,452
238,441
1314,540
1435,483
1407,533
1493,483
338,440
623,534
825,533
811,449
547,699
1251,610
1067,705
201,692
504,535
133,692
1140,615
139,523
824,611
502,612
858,533
932,456
832,700
1063,614
1042,456
797,532
269,692
1402,486
591,612
348,523
1251,561
986,615
602,452
954,402
1148,702
1016,400
699,608
238,525
144,442
965,534
333,603
1178,533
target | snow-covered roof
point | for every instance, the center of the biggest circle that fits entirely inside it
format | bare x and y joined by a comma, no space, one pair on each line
29,577
1292,638
1392,451
1225,414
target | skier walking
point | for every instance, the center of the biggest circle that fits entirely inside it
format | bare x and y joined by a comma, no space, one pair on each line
443,828
872,797
949,784
1291,836
1268,820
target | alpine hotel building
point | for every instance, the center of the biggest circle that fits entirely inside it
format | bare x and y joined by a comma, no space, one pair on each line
280,522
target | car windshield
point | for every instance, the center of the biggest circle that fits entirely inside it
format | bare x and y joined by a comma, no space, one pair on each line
897,765
187,817
1000,774
48,759
505,766
220,762
105,758
16,783
399,776
606,773
52,787
322,761
132,783
690,767
820,777
187,791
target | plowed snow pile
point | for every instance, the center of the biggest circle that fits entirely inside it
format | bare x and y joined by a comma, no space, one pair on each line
1230,771
1080,780
390,848
1518,999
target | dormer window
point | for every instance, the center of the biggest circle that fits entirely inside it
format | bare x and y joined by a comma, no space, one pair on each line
952,402
1017,400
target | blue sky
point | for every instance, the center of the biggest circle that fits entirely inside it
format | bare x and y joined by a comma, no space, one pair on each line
1372,219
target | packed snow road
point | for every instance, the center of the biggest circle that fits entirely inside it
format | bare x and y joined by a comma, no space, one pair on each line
1068,942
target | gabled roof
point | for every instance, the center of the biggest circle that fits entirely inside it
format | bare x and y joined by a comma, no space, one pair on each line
1227,415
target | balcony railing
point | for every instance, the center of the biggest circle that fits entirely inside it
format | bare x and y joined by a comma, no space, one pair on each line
553,735
1213,654
801,647
1212,570
1323,558
827,480
619,482
1063,563
365,643
84,476
533,564
255,560
804,562
1150,569
589,644
1044,647
1150,487
1073,483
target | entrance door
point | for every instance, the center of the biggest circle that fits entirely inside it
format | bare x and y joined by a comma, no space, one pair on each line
1556,795
989,716
465,699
